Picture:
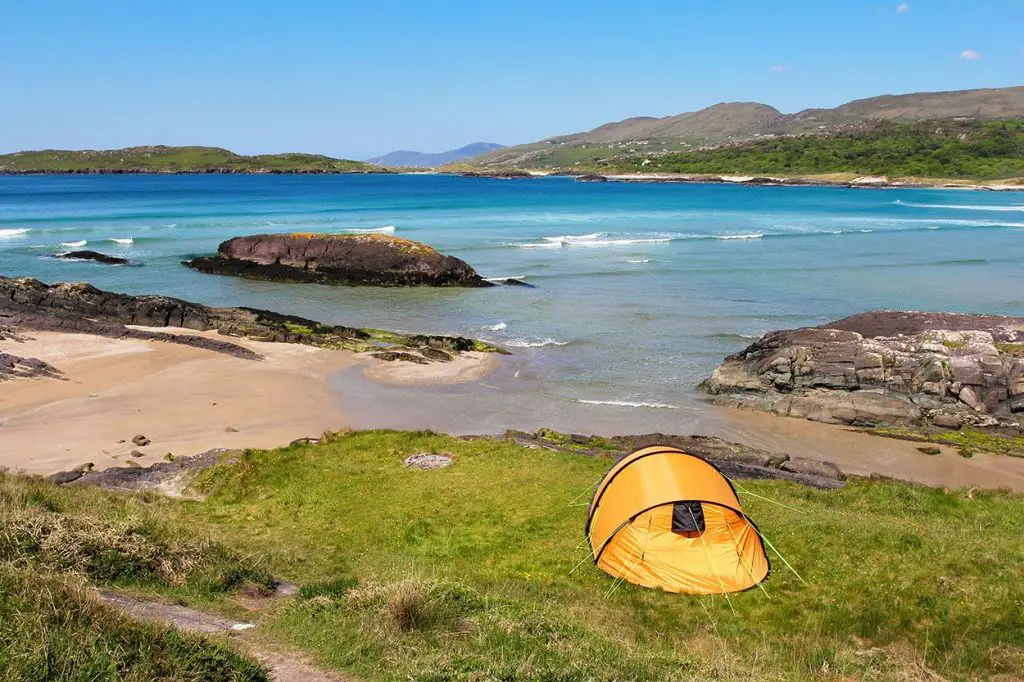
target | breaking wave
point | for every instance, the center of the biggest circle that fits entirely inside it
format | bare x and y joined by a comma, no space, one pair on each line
384,228
497,327
12,233
628,403
527,343
72,245
752,235
123,241
962,207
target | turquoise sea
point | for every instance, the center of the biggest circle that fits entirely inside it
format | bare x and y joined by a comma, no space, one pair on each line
641,289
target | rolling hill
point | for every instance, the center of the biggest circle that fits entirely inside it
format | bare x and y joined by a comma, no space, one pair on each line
427,160
163,159
731,122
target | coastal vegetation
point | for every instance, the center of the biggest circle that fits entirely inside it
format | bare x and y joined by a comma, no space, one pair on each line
480,569
163,159
985,150
54,550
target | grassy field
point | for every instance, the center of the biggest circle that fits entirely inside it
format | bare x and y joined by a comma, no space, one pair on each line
161,159
468,572
54,547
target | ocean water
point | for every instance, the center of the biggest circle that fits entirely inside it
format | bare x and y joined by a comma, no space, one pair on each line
640,289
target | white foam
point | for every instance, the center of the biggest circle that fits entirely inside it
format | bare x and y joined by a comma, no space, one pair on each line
123,241
13,233
497,327
618,242
575,237
638,260
589,241
963,207
542,245
74,244
628,403
752,235
526,343
384,228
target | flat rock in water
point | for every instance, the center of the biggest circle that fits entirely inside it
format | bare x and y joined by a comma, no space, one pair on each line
354,259
95,256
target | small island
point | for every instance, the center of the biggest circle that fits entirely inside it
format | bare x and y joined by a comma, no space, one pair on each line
351,259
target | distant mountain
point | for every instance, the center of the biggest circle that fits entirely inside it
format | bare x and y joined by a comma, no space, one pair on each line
163,159
426,160
731,122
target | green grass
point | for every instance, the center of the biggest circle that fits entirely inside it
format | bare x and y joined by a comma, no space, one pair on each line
966,441
161,159
1014,349
55,543
52,628
443,574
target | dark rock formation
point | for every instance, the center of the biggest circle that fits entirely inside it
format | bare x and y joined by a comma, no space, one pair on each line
498,174
733,459
884,368
357,259
93,256
591,177
14,367
29,304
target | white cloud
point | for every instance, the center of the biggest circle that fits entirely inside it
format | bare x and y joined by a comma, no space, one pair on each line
782,67
970,55
903,8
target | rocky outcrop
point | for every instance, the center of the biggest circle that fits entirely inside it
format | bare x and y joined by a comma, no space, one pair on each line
354,259
29,304
511,174
14,367
95,256
884,368
733,459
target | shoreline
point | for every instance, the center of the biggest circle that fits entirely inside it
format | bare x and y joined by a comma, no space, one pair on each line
189,400
855,180
185,399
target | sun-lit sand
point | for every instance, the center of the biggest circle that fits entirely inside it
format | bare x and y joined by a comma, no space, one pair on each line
185,400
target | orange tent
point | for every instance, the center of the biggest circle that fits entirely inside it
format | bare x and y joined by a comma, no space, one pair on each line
664,518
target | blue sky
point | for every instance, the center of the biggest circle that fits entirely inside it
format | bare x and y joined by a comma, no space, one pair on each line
360,78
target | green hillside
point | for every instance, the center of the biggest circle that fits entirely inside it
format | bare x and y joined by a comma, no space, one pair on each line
936,149
162,159
728,123
479,571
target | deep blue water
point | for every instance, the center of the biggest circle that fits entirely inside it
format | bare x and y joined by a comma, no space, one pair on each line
640,289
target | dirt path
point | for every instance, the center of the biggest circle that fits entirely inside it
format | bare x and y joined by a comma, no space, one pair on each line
281,667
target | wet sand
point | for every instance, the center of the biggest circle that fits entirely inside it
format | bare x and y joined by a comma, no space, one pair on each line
862,454
185,400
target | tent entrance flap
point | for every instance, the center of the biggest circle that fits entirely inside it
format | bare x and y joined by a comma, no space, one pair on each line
687,517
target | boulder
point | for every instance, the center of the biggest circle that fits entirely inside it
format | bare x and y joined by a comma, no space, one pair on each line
354,259
882,368
93,256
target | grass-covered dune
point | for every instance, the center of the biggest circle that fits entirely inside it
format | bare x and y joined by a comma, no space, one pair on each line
479,570
163,159
983,150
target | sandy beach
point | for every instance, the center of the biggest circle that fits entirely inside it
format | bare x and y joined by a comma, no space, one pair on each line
185,400
188,400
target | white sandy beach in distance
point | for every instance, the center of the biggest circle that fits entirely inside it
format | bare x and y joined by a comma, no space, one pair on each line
186,400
